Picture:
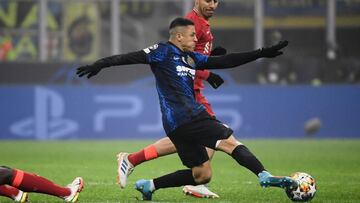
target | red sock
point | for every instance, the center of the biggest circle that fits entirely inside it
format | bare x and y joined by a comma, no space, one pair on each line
143,155
33,183
8,191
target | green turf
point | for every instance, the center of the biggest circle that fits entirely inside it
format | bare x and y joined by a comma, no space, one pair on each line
335,164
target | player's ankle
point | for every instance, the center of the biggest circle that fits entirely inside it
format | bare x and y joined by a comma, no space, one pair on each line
152,186
263,175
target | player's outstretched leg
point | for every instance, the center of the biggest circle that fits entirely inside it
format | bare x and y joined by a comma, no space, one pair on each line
13,193
125,168
146,187
29,182
75,187
267,180
199,191
247,159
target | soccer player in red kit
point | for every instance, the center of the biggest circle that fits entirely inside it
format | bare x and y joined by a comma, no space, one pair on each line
16,184
203,10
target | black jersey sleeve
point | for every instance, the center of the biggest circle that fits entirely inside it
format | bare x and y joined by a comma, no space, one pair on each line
230,60
237,59
138,57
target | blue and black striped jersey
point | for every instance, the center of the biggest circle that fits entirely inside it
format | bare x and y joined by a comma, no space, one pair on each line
174,71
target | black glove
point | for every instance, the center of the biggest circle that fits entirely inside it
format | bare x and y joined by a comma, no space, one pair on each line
89,70
218,51
273,51
215,80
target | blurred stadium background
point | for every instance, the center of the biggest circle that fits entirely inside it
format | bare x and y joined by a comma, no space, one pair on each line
43,41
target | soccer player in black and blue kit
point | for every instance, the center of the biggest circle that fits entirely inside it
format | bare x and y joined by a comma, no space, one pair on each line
185,121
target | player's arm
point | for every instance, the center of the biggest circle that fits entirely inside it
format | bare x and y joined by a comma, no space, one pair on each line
213,79
205,74
236,59
138,57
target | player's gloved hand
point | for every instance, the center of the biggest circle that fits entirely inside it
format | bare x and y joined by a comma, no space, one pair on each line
273,51
218,51
89,70
215,80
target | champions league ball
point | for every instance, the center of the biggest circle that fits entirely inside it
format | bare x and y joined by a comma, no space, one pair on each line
306,189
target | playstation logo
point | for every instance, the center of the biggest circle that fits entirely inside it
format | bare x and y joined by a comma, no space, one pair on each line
48,122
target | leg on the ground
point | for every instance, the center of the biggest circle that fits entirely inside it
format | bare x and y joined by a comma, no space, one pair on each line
6,175
13,193
33,183
27,182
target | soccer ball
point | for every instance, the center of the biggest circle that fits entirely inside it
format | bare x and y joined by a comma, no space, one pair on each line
306,189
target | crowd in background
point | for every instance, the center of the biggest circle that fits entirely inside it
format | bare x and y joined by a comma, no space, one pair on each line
79,32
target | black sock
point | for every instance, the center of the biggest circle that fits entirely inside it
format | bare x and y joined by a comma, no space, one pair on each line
247,159
176,179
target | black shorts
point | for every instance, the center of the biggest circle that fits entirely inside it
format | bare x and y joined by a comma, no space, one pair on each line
191,139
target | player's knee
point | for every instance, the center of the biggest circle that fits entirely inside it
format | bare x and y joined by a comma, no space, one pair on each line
228,145
5,175
203,178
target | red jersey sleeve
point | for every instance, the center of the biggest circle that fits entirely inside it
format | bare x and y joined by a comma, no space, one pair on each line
202,74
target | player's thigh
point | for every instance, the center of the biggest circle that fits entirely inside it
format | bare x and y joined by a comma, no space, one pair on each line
211,131
228,145
191,153
164,146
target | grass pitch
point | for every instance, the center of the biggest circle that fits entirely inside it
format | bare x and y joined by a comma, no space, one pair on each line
335,165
